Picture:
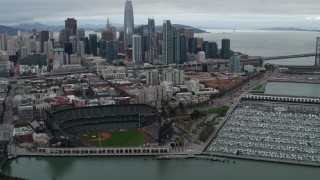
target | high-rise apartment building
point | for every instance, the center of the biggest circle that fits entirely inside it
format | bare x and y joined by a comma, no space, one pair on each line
86,45
137,50
199,44
112,50
12,46
183,49
121,42
81,33
152,77
213,46
177,47
81,49
235,64
24,52
103,48
144,33
210,49
64,35
128,24
33,47
3,42
225,49
73,41
205,48
93,44
192,45
152,42
175,76
44,37
189,33
167,46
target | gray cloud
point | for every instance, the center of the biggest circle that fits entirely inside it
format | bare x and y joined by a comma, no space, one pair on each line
199,13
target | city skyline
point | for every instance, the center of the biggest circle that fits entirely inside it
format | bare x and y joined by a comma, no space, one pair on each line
230,13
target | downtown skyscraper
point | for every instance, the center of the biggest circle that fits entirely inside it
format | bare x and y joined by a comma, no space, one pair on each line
71,23
168,45
225,49
128,24
151,42
137,50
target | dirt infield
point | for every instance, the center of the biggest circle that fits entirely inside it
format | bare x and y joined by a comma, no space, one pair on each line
105,136
146,134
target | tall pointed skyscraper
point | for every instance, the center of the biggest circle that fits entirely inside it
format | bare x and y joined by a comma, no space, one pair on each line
128,24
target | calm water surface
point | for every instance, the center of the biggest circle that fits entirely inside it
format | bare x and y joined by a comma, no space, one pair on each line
119,168
268,43
293,89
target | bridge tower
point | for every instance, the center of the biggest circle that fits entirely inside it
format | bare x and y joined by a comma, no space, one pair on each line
317,61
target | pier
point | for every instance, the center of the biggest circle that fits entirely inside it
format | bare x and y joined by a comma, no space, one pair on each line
283,98
89,151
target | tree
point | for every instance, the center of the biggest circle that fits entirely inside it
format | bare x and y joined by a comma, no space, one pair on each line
195,114
205,133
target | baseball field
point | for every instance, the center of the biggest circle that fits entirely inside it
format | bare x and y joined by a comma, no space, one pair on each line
116,138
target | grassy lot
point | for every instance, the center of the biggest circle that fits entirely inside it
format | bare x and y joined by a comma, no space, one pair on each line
258,87
221,110
184,122
127,138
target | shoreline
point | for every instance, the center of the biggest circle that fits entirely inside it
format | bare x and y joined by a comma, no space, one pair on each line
204,156
301,163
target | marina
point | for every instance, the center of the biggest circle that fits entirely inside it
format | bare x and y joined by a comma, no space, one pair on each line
279,135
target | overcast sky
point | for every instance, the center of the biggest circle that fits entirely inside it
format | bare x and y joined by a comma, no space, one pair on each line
199,13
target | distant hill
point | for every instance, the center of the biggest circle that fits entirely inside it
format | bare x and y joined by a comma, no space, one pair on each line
286,29
8,30
181,26
38,27
98,28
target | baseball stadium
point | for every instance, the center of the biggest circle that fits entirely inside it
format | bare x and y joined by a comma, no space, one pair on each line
130,125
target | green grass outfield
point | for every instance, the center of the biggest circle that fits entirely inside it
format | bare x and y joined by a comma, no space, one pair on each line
127,138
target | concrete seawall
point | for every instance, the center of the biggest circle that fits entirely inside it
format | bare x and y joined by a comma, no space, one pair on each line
148,151
264,159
